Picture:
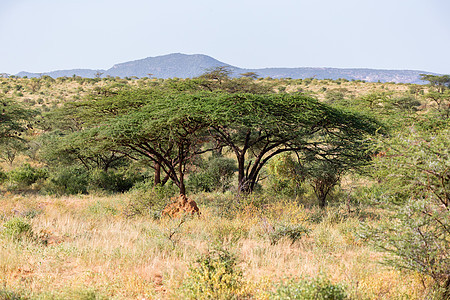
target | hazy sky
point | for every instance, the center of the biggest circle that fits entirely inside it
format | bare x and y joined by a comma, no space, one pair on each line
46,35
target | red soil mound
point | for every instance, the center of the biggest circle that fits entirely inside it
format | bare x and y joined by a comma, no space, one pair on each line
182,205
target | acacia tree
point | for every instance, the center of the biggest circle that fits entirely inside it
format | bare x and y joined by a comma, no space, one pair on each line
81,148
165,129
440,82
415,171
13,120
259,127
169,128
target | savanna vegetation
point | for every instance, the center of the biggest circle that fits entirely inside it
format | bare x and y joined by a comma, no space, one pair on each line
307,189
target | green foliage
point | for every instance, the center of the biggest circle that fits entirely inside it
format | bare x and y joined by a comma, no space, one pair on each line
68,181
215,275
441,103
215,175
10,148
334,96
310,289
17,229
415,173
415,165
290,231
147,199
9,295
267,125
323,176
171,128
439,81
417,236
116,181
285,176
26,175
3,176
13,119
405,103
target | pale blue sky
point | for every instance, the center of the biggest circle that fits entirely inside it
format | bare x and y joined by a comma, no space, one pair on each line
46,35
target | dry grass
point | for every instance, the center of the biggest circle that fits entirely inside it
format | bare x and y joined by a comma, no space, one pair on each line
84,247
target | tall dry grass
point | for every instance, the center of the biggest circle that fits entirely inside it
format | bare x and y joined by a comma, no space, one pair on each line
83,247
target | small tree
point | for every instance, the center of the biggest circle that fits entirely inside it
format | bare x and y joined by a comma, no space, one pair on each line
13,120
415,171
251,75
442,102
323,176
219,74
10,148
439,82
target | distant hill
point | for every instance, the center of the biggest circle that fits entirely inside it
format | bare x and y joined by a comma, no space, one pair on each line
188,66
166,66
61,73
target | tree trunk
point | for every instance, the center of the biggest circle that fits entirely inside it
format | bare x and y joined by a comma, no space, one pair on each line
157,174
241,173
181,185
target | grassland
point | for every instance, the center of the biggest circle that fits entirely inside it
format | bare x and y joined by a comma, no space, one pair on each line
84,247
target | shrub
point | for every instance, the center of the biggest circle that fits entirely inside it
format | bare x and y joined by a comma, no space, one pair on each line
334,96
26,175
70,180
285,176
305,289
415,172
406,103
17,229
214,276
146,199
3,176
216,174
112,181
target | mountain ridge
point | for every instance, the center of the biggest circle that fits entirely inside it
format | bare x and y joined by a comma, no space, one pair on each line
192,65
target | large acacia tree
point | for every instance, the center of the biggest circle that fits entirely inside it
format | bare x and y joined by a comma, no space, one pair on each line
170,127
165,128
259,127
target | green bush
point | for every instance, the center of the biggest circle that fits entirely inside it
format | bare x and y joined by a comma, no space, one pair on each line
285,176
3,176
305,289
17,229
70,180
147,199
112,181
415,174
26,175
215,175
215,275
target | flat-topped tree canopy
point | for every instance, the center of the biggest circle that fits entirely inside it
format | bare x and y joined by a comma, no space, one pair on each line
13,119
170,127
258,127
